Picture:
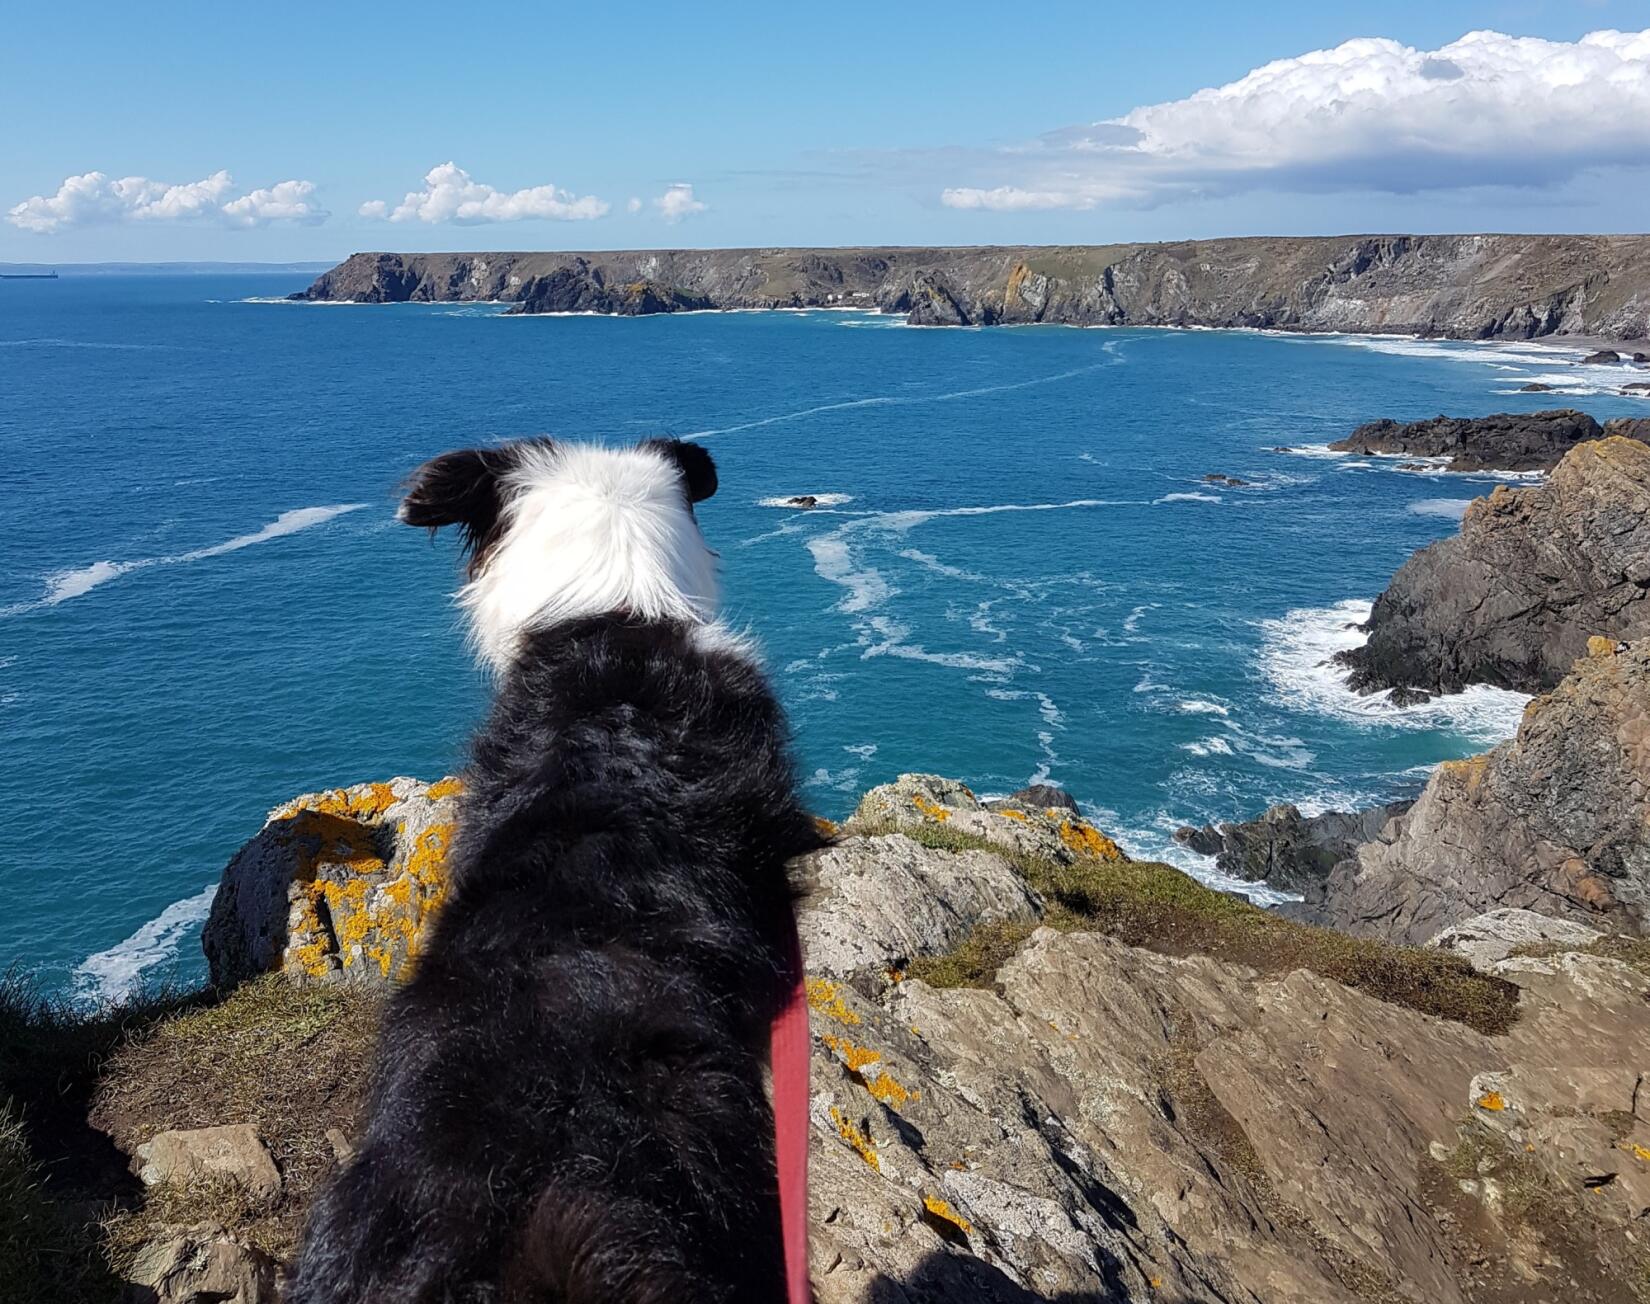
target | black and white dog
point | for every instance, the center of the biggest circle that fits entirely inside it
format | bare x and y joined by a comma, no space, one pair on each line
569,1104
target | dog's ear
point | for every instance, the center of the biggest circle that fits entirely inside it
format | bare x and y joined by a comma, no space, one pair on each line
463,489
693,461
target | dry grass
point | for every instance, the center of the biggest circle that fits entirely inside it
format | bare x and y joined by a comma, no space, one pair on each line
1157,907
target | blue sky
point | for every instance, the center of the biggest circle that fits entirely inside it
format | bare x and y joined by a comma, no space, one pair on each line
629,125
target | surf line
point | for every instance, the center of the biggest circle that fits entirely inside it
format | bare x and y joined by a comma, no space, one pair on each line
905,400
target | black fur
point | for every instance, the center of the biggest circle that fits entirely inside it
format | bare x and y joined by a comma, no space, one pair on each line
569,1104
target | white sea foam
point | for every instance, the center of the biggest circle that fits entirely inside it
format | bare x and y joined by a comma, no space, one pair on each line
1452,509
1215,746
1296,657
1313,450
64,585
111,975
1186,498
1200,706
1155,840
53,343
909,400
820,500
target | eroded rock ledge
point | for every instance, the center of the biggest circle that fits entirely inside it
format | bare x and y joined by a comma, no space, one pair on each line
1533,575
1466,287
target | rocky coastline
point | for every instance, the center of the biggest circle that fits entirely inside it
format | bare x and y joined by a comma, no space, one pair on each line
1477,287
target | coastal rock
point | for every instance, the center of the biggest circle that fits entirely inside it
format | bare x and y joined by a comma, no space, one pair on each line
1629,428
930,805
1227,481
233,1152
200,1265
337,885
1455,286
1507,441
1556,820
1039,796
881,902
1533,575
1284,847
1638,387
1487,939
1602,358
1535,387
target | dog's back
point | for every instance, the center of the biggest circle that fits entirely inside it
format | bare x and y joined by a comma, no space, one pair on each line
569,1103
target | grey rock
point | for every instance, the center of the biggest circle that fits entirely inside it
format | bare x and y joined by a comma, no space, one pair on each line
1534,573
1459,286
1629,428
1507,441
1486,939
233,1152
200,1265
1039,796
1285,848
1556,820
1602,358
880,902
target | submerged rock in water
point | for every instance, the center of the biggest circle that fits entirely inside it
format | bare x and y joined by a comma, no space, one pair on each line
1229,481
1534,573
1284,847
1507,441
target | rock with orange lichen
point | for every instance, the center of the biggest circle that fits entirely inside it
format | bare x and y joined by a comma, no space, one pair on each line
929,806
338,884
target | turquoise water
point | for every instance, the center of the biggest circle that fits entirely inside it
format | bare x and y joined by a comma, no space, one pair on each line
206,606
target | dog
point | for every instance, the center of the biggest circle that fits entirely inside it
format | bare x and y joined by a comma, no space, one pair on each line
569,1101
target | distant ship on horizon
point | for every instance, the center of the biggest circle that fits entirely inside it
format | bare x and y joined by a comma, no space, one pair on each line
28,276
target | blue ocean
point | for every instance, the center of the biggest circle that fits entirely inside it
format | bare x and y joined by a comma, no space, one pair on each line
1016,570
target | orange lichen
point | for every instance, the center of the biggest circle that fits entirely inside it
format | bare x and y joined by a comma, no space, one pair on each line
859,1140
940,1209
933,810
827,828
1637,1151
1086,840
890,1092
1009,813
1493,1101
855,1057
445,788
825,997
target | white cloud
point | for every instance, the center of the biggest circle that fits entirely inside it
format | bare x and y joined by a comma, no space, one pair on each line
451,195
94,197
1371,114
678,202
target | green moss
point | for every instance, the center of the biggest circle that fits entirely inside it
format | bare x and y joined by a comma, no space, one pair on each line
1159,908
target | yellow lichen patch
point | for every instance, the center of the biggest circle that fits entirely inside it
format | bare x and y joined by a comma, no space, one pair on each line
1598,646
445,788
1086,840
1637,1151
942,1210
859,1140
1470,770
855,1057
1009,813
1493,1101
933,810
825,997
827,828
890,1092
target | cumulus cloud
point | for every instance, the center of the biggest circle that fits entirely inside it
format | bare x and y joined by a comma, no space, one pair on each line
94,197
633,205
1371,114
678,202
450,194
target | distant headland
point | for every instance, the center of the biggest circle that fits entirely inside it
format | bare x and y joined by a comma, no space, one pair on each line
1490,287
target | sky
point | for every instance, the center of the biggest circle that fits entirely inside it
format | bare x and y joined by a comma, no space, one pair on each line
303,131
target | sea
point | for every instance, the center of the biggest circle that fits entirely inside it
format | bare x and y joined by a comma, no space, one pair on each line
1016,570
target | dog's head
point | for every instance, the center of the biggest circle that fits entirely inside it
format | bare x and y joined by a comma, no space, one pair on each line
555,531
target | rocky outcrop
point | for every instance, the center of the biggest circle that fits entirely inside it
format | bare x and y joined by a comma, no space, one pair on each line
337,885
1460,286
1629,428
1285,848
1487,939
1556,821
1533,575
1507,441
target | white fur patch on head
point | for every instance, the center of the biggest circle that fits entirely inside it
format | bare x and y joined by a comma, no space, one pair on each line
585,531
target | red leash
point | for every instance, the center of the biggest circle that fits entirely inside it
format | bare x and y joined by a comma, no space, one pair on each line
789,1049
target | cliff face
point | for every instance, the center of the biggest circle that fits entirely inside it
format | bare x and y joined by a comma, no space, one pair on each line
1040,1070
1556,820
1534,573
1468,287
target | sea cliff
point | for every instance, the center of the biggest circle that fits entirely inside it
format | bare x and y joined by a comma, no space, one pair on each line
1457,286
